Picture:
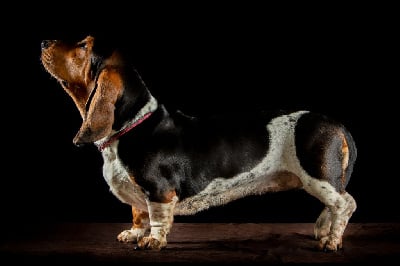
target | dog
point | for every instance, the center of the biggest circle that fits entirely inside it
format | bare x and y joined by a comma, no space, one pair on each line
167,163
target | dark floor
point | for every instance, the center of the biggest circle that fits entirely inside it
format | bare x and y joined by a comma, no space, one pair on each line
201,243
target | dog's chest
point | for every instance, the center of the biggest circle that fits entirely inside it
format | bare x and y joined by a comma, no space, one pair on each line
119,181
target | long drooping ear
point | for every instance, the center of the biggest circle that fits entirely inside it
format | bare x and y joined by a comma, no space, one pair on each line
99,118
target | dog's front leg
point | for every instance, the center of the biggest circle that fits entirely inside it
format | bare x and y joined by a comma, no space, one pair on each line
161,218
139,228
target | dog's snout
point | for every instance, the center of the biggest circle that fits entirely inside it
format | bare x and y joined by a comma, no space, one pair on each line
46,43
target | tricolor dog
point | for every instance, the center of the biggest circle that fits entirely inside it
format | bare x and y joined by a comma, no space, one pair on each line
167,163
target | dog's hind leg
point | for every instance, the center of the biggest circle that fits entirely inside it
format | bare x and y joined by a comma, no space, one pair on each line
333,220
324,221
139,228
161,218
323,224
327,153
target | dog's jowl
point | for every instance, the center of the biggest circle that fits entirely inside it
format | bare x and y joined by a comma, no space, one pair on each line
166,163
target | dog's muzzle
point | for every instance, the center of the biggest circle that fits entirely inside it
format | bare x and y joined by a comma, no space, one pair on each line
80,139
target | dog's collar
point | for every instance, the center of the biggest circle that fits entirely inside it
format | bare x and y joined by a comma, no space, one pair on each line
141,116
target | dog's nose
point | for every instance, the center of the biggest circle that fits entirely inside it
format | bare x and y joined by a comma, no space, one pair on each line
46,43
79,144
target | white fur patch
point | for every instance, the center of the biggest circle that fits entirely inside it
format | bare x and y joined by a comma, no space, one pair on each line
161,218
132,235
118,179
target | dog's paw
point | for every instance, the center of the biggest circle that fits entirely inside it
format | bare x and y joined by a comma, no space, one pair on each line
131,235
321,231
150,242
329,243
323,224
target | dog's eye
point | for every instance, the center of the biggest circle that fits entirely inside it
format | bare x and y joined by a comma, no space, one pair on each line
82,45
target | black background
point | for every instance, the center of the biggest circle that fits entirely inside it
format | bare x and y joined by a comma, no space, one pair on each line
202,61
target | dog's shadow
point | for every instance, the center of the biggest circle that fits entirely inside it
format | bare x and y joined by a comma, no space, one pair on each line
273,248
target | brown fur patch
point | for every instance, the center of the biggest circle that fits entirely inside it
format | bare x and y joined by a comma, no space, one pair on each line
345,161
70,65
100,116
138,217
284,180
168,197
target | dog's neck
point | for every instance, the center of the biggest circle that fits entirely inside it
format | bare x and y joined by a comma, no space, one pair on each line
144,113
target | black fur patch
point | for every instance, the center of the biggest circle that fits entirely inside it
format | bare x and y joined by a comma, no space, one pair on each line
319,148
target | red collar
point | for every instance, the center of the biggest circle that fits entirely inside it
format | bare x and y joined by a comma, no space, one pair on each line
118,134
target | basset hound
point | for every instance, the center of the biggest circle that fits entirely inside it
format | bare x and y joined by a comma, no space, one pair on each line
167,163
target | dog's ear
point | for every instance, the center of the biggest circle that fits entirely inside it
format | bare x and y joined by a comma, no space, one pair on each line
99,118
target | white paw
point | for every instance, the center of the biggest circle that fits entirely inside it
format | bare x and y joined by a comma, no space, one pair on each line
322,230
150,242
323,224
329,243
131,235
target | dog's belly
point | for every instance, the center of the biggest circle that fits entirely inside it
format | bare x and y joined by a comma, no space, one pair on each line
222,191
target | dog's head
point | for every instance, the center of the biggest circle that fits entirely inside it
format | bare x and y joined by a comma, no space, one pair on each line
92,80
